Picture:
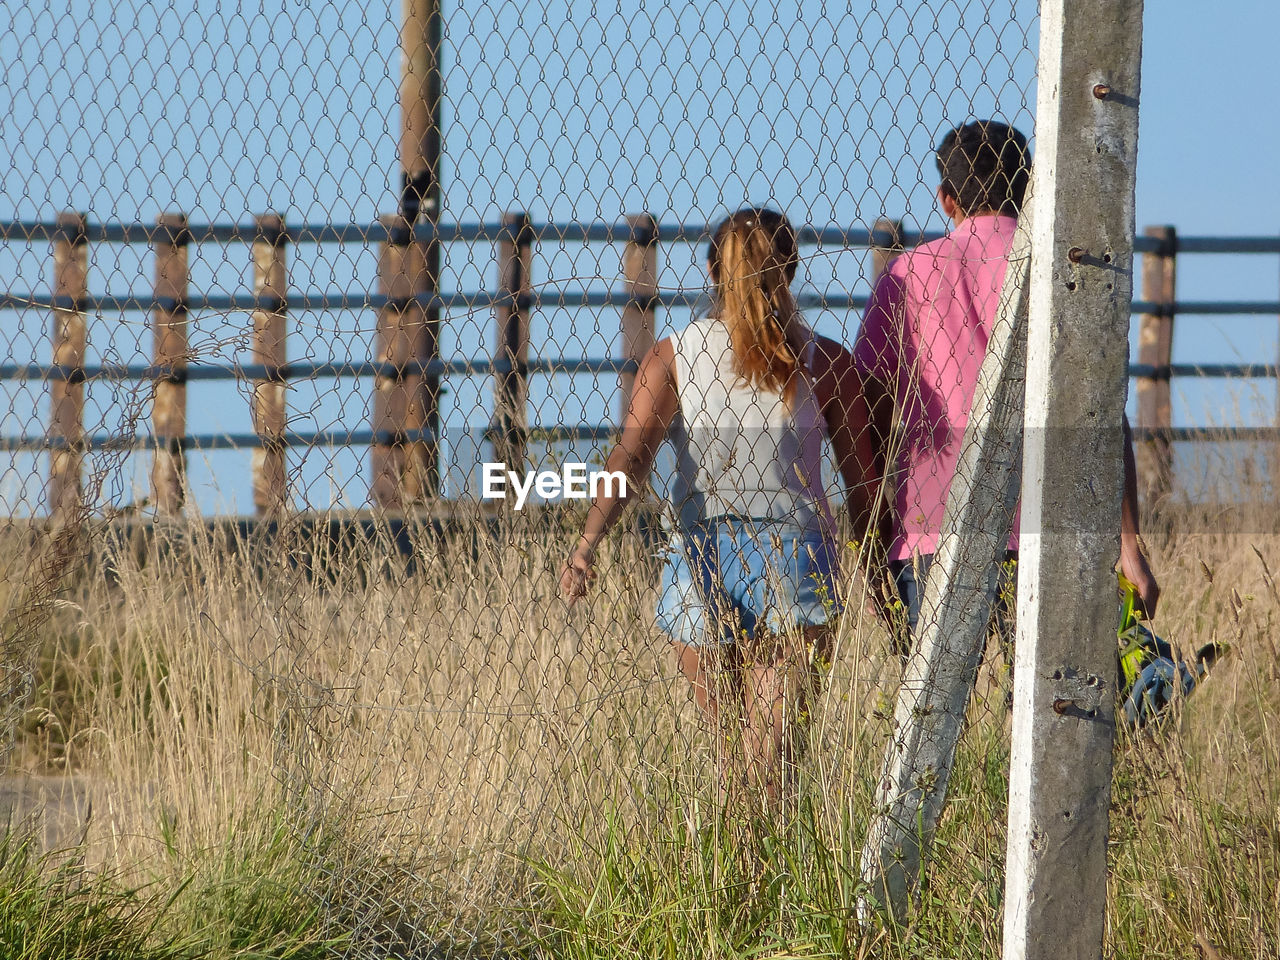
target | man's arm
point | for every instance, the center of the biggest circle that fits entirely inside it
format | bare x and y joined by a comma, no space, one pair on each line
879,405
1133,561
837,386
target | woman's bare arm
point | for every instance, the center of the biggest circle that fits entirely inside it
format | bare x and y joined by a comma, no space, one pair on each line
654,402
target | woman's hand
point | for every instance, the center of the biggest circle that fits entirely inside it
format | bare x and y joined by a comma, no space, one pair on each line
576,574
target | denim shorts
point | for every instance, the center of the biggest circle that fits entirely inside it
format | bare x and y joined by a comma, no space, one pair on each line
732,577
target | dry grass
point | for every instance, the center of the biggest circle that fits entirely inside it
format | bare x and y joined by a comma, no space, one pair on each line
402,758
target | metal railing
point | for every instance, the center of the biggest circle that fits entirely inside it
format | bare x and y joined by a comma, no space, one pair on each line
637,300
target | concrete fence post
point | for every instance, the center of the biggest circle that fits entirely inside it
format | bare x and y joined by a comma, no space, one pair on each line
1073,477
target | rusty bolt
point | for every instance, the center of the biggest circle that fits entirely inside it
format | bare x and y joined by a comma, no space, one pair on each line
1060,706
1076,254
1101,91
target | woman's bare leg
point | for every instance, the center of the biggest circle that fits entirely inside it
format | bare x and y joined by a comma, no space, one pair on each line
700,667
715,679
779,692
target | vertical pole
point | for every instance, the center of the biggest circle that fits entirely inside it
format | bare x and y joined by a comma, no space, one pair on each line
640,315
70,340
1155,347
421,140
169,327
1275,447
886,243
1073,477
511,357
270,290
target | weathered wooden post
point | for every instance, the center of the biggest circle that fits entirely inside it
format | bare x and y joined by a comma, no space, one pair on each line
640,315
511,354
169,327
886,243
270,324
955,608
1073,477
66,389
1155,347
1275,445
421,133
401,455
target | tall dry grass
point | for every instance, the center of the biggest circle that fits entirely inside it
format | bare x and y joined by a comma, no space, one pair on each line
336,746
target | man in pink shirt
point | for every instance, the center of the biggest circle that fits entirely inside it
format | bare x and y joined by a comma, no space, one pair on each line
921,345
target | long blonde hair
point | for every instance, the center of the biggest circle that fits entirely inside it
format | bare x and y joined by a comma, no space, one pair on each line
753,260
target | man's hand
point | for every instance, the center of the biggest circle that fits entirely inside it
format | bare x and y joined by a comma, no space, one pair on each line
1133,560
1136,568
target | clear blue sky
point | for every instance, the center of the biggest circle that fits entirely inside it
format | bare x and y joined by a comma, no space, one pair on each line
1209,136
685,110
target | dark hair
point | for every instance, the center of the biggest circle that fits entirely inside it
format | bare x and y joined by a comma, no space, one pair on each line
985,166
753,259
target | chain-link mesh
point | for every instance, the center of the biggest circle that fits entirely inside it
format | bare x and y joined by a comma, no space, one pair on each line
355,312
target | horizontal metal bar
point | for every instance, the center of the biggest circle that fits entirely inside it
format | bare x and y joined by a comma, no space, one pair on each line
366,234
315,369
1188,244
598,433
377,232
1209,307
544,298
1212,434
347,233
1148,370
304,370
220,441
1229,244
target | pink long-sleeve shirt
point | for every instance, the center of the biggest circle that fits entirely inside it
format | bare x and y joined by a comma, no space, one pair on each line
923,336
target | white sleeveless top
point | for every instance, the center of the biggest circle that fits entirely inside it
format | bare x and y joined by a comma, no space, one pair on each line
740,451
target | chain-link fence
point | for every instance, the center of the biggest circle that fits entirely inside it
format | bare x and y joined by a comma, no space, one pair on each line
365,319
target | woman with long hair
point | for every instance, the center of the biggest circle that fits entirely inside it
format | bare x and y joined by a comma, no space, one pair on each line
749,590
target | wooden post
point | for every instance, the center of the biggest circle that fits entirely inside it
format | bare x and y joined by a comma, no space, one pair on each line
955,608
1275,446
640,315
882,253
403,460
421,97
169,326
421,37
270,290
511,356
1155,347
70,340
1073,476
